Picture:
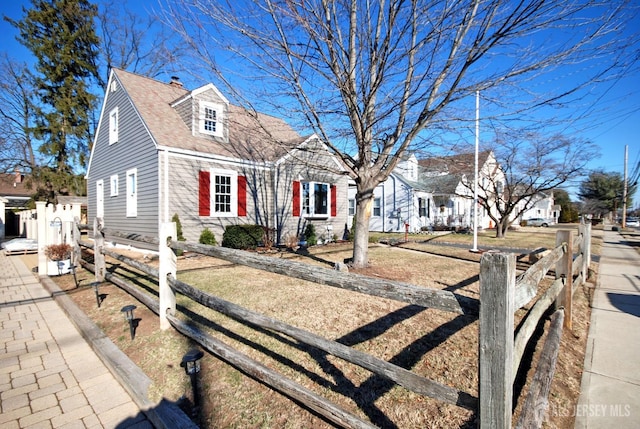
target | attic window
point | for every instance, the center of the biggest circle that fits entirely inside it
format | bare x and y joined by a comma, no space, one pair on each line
113,126
211,119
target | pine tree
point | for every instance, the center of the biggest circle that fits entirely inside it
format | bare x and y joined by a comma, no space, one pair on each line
61,35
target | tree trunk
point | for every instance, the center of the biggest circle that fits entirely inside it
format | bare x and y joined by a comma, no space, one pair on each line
361,235
501,228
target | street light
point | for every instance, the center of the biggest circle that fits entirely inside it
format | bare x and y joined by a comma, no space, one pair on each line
191,364
128,314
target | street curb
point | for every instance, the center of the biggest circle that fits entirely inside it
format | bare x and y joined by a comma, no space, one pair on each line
163,415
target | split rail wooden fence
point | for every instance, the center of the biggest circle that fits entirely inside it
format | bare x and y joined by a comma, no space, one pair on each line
500,295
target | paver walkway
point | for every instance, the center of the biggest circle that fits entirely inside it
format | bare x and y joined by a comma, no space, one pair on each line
49,376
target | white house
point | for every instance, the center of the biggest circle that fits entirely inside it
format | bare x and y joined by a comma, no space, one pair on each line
423,194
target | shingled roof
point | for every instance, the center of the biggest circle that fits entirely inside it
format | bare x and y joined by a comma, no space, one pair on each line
455,164
251,135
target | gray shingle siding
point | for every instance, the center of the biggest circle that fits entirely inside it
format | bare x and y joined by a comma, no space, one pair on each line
134,149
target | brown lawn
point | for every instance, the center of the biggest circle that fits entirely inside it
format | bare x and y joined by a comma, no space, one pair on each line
431,343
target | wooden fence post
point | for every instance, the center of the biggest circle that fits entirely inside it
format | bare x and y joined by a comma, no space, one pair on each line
167,266
98,245
76,254
564,268
497,297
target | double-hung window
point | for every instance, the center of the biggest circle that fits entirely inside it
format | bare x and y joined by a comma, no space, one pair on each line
377,207
315,199
224,193
113,184
352,206
132,192
113,126
211,119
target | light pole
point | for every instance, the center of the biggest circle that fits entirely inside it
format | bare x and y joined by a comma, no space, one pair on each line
475,177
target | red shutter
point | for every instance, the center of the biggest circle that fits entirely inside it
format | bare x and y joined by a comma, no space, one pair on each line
334,201
204,194
242,196
296,198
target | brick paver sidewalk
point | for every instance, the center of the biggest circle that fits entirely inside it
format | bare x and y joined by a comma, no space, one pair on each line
49,376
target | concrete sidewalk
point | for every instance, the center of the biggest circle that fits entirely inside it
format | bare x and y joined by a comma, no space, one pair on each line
610,391
49,376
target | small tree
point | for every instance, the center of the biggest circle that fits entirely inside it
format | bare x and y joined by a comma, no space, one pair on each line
310,235
207,237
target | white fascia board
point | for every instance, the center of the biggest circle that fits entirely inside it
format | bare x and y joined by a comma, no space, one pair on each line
308,141
135,109
112,76
236,162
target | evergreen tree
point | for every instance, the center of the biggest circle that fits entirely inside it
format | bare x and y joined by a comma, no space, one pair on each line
61,35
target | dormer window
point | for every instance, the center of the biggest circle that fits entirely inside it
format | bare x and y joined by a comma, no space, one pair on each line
211,119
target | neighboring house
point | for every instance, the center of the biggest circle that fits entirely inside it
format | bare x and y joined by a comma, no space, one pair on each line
162,150
14,196
543,207
428,193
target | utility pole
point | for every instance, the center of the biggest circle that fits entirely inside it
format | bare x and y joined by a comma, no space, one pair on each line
624,190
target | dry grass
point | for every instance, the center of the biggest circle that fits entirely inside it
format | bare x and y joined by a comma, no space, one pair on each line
431,343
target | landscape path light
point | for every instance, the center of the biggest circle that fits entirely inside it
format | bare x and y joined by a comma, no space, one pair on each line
128,314
96,286
191,364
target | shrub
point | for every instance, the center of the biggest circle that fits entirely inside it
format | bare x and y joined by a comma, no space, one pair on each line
179,237
58,252
176,219
310,235
243,236
208,237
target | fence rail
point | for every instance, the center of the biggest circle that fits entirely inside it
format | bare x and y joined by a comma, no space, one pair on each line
501,294
501,351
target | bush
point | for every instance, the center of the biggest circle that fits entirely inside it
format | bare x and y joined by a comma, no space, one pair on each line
310,235
243,236
207,237
180,237
58,252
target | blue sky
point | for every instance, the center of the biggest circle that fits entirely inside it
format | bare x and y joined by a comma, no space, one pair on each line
613,123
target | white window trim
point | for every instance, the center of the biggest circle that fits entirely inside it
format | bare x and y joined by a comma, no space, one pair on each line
219,132
113,185
312,205
379,207
100,198
233,175
352,207
114,118
132,192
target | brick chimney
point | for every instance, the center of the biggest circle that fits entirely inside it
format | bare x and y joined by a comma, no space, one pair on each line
18,176
175,81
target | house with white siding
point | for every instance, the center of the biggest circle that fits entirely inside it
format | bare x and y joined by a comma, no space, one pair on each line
161,150
429,193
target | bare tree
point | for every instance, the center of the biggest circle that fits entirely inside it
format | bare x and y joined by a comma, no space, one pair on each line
376,78
531,165
17,119
139,45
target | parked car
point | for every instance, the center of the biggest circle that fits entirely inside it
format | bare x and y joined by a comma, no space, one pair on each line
633,221
539,221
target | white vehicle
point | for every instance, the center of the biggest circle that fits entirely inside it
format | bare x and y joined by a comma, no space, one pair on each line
538,221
